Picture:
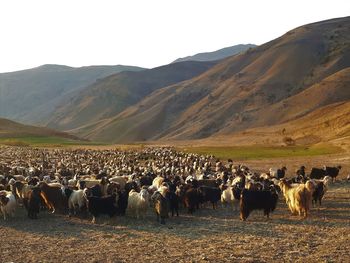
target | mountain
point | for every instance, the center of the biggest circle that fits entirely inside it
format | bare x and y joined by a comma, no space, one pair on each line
11,129
31,95
218,54
284,80
329,124
111,95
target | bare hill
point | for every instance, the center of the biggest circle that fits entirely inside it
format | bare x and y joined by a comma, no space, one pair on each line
277,82
110,96
329,123
11,129
31,95
218,54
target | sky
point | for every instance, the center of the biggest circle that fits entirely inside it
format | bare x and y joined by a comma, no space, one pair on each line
146,33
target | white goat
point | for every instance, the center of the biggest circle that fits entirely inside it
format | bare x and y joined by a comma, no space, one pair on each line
76,200
138,203
7,204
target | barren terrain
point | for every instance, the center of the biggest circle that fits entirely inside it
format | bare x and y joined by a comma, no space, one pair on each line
206,236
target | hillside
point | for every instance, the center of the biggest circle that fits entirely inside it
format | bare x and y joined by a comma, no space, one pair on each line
109,96
277,82
31,95
218,54
326,124
11,129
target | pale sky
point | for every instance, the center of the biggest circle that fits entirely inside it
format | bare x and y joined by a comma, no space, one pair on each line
146,33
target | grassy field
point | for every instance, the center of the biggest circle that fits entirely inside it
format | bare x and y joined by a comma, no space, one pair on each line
233,152
38,141
263,152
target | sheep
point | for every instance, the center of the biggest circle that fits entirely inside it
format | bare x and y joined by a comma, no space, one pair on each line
138,203
7,204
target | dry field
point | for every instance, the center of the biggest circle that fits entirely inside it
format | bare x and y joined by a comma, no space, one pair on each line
207,236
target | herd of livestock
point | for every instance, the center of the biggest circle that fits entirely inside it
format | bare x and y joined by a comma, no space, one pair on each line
117,182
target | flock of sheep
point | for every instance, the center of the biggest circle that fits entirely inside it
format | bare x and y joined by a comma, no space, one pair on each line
116,182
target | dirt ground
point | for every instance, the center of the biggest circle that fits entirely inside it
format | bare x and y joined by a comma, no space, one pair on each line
206,236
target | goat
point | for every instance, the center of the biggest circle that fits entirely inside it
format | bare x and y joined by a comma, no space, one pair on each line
161,204
256,200
138,203
298,197
101,205
7,204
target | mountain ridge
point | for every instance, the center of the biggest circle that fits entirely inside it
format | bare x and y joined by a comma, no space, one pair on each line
231,96
217,54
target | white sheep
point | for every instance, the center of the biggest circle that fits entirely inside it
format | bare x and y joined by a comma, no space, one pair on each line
138,203
7,203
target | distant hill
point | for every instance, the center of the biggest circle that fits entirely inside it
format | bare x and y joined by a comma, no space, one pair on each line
111,95
297,75
11,129
218,54
31,95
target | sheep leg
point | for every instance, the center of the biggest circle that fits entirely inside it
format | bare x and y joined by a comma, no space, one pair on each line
93,220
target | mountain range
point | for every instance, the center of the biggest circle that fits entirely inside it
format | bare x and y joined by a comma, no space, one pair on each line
31,96
294,86
278,82
218,54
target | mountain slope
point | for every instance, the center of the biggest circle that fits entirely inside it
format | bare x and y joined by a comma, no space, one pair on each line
218,54
31,95
245,91
11,129
111,95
